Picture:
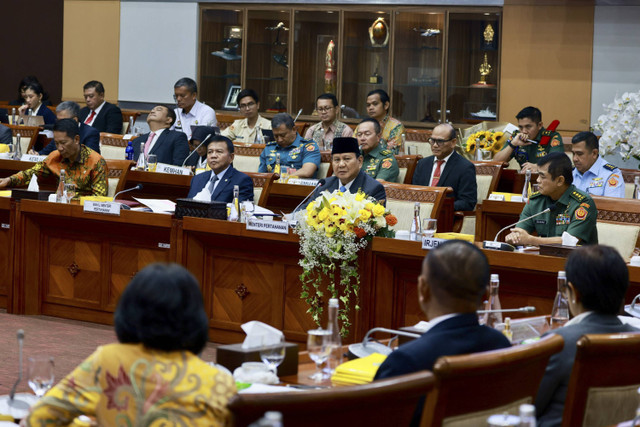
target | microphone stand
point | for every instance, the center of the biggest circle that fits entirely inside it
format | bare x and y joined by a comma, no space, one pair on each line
20,344
122,205
196,150
319,184
502,246
527,309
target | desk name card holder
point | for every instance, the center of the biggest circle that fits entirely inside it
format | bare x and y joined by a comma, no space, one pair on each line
280,227
173,170
109,208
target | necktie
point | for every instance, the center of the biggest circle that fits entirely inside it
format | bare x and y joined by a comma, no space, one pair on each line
148,143
90,118
212,183
436,174
343,188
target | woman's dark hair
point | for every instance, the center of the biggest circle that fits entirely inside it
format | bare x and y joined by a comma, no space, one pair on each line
600,276
36,87
162,308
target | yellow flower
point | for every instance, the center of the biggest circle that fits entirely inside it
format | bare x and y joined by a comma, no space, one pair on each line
323,214
344,226
360,196
369,206
330,231
378,210
364,215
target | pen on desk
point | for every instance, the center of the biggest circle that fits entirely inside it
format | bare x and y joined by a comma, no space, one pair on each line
306,386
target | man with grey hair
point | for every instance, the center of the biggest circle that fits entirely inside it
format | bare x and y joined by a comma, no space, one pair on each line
446,168
190,111
295,152
89,136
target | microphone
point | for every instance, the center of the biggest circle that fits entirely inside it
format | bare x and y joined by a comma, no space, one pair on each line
299,112
368,347
196,150
501,246
527,309
137,187
319,184
525,190
20,343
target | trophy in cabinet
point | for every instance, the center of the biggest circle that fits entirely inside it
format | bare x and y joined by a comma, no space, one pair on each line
330,69
233,38
280,58
485,70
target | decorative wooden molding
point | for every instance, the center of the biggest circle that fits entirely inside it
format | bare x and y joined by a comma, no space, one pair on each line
621,217
73,269
411,195
242,291
254,150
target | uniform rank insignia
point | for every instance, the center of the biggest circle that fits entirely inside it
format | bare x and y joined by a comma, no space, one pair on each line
555,142
311,147
581,213
386,164
613,180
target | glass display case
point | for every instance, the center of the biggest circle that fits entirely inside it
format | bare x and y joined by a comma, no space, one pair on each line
316,57
473,67
220,54
417,72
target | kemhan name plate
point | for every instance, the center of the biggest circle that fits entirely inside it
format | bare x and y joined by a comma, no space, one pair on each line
301,181
32,158
431,242
109,208
268,226
174,170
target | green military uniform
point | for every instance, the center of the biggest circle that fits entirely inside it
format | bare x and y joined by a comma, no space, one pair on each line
533,152
575,213
380,163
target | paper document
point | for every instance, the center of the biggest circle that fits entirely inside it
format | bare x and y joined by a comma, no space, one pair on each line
158,205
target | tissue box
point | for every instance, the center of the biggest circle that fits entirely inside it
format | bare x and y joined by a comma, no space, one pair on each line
200,209
20,193
233,355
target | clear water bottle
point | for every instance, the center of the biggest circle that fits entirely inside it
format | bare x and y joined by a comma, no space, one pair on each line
527,183
416,224
128,152
277,167
60,196
130,129
636,187
527,415
236,202
18,149
636,419
259,137
270,419
560,310
335,357
492,318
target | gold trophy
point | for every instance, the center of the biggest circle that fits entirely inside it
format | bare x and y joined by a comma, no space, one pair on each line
485,70
329,71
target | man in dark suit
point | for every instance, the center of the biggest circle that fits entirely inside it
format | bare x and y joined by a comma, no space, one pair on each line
598,279
88,136
347,159
450,288
169,146
446,168
6,136
98,113
217,184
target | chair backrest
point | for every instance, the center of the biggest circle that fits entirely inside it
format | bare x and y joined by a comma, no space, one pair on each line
418,141
261,186
326,168
604,380
247,159
401,199
470,388
126,118
487,178
407,165
112,146
618,224
387,402
301,127
629,175
226,120
28,136
118,170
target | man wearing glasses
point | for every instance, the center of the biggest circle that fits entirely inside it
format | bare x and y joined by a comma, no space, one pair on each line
329,127
446,168
190,111
246,130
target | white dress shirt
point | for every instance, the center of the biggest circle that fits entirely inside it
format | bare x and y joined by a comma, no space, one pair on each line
154,140
97,111
204,194
199,115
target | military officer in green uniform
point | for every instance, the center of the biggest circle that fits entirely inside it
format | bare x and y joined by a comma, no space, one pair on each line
572,210
528,153
295,152
379,163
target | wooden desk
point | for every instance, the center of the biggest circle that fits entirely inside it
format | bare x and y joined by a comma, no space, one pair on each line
6,250
157,185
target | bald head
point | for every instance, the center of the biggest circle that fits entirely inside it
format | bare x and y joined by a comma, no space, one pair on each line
443,140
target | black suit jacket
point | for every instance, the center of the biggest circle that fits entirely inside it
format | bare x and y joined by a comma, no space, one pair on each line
554,384
108,120
224,189
459,174
89,136
171,147
368,185
460,334
6,135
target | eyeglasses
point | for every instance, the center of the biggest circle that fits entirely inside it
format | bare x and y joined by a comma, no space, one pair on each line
246,106
439,141
324,109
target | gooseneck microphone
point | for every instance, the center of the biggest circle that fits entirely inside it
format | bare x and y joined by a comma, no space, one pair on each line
527,309
299,112
137,187
319,184
501,246
20,344
196,150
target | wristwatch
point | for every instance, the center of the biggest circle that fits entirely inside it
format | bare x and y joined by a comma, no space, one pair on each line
510,144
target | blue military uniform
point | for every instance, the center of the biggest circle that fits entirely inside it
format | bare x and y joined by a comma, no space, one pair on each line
294,155
602,179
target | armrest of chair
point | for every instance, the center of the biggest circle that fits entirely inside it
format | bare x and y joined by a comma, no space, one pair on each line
458,218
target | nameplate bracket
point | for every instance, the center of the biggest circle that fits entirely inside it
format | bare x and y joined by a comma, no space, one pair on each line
173,170
109,208
280,227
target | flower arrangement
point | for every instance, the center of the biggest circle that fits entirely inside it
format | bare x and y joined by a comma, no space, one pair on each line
620,126
332,229
485,140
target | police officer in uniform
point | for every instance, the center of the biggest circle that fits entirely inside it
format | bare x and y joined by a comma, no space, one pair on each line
592,174
379,163
527,154
572,210
295,152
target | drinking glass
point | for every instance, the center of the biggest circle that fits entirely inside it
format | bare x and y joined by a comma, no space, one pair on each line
70,190
429,227
40,374
319,347
272,355
152,162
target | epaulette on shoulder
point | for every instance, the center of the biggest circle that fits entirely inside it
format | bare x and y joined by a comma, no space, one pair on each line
271,143
578,196
534,195
547,132
386,152
609,166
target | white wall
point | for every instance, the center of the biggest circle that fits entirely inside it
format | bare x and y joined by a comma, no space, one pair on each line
158,45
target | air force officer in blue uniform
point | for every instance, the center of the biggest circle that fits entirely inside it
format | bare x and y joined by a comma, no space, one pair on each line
592,174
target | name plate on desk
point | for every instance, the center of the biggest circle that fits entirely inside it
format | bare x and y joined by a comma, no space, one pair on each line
110,208
173,170
497,197
431,242
32,158
268,226
302,181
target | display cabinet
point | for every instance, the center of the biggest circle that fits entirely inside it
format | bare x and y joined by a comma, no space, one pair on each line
437,64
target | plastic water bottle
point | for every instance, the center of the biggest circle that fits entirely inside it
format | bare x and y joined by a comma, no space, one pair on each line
270,419
560,310
128,152
527,415
335,357
18,150
492,318
416,225
236,202
60,196
636,187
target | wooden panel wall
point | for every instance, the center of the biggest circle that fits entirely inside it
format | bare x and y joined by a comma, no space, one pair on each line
546,62
91,48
